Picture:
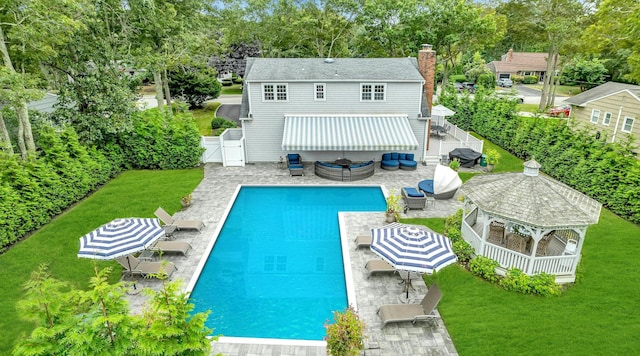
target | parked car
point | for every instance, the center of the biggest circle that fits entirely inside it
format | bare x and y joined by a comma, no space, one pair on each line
509,95
458,86
468,86
505,83
560,111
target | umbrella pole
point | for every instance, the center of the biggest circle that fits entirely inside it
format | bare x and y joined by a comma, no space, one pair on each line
130,273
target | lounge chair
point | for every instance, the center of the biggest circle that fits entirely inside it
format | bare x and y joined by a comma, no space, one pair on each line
179,224
378,266
134,266
363,241
413,198
395,313
294,163
171,247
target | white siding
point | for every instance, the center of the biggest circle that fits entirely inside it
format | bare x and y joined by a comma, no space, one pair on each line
264,131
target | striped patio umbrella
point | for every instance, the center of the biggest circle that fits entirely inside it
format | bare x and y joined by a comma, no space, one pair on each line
412,248
120,237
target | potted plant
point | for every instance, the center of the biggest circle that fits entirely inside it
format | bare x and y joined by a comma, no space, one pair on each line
345,337
393,207
186,200
492,159
455,164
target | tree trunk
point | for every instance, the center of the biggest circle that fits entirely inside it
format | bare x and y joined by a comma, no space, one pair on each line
21,145
547,80
25,137
5,140
167,93
157,78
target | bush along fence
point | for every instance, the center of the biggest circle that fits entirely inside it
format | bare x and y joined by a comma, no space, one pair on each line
35,190
607,172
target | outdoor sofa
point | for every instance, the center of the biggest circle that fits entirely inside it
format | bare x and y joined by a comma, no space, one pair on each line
394,160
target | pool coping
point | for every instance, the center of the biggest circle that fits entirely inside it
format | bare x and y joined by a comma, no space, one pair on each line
346,260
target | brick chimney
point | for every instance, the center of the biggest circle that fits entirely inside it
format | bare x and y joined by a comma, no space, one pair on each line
510,55
427,67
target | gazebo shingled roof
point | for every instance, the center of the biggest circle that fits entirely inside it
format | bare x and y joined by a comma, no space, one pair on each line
531,199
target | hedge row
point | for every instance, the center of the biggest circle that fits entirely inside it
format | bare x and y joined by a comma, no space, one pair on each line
65,171
604,171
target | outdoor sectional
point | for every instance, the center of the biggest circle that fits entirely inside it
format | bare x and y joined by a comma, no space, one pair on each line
394,160
356,171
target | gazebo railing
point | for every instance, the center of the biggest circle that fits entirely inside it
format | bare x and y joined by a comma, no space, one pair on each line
471,236
555,264
507,258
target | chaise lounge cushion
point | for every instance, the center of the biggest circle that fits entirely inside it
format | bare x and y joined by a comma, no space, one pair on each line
413,192
426,186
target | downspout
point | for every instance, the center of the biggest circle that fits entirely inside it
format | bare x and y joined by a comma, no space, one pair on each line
615,128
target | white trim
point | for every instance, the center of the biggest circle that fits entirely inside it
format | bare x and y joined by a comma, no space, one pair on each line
606,119
373,92
323,91
624,124
595,113
275,93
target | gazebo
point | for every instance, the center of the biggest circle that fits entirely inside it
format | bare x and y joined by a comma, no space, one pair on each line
528,221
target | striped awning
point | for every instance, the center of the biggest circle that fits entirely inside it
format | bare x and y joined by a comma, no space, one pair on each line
348,133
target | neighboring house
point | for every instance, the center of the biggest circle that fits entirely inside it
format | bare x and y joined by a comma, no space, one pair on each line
44,105
325,109
610,109
520,63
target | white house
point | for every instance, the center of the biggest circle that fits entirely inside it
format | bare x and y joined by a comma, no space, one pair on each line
330,108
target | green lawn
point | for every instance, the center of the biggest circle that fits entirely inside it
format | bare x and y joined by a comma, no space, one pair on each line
596,315
527,107
232,89
132,194
562,90
204,116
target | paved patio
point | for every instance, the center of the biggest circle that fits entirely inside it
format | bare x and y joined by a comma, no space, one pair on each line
210,201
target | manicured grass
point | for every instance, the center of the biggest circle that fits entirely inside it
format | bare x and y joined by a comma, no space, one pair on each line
232,89
132,194
597,315
204,116
527,107
507,161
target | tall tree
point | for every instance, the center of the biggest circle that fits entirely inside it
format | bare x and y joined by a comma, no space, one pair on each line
615,34
455,27
35,29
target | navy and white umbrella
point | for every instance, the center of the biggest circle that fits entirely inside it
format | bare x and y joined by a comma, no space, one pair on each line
412,248
120,237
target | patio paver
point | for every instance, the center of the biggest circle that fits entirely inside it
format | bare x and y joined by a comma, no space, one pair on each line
210,200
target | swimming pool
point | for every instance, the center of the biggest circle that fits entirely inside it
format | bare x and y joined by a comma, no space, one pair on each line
276,269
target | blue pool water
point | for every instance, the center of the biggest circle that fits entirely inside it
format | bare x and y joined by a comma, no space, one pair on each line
276,269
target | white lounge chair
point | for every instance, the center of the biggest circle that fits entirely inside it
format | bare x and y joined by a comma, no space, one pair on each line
171,247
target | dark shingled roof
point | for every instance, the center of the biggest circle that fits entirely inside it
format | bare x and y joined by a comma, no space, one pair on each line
340,69
531,199
601,91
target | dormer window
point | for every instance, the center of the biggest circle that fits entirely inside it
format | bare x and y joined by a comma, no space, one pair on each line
274,92
372,92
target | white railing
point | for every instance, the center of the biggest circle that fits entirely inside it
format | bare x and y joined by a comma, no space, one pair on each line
555,264
505,257
469,235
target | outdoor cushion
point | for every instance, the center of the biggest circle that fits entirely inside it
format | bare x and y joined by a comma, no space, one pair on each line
413,192
410,156
394,156
386,156
408,163
390,163
402,156
294,158
295,166
426,186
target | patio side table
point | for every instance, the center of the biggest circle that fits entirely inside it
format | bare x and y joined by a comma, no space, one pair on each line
147,255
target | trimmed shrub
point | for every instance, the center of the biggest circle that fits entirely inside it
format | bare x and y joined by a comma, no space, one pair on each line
219,124
486,80
530,79
484,267
517,79
345,337
161,141
457,78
